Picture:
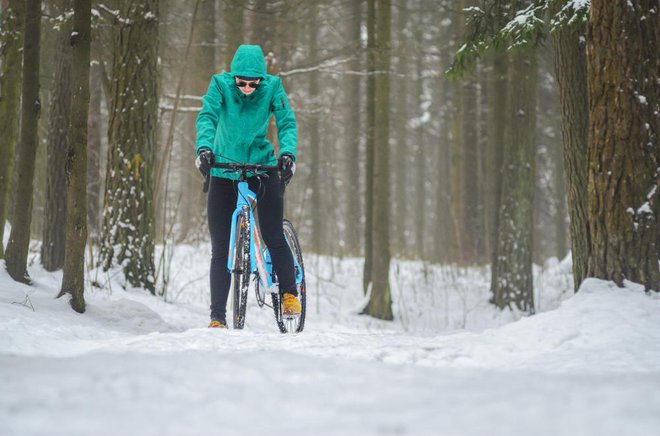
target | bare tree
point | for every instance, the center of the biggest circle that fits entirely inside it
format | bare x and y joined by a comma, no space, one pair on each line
13,22
315,164
351,87
380,301
367,280
19,239
54,226
76,159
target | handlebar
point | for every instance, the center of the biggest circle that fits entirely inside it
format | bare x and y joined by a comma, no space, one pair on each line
248,168
244,169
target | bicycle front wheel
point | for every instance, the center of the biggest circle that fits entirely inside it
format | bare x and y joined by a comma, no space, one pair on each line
296,324
241,272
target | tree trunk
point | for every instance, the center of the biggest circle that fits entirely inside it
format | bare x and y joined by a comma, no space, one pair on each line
401,146
456,156
624,123
380,301
420,155
443,157
494,154
315,163
571,72
76,159
352,134
443,168
202,56
549,211
54,228
369,166
262,25
94,141
13,22
234,29
128,218
19,239
512,268
559,183
470,229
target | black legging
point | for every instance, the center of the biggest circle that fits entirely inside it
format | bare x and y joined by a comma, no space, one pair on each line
221,205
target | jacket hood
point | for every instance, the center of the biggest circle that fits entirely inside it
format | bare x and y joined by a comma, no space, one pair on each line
249,61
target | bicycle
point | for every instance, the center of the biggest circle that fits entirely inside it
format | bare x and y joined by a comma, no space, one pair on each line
246,248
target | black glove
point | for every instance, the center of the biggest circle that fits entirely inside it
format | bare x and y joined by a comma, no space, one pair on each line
204,160
287,167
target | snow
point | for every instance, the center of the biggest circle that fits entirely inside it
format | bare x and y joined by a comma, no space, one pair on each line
579,4
645,209
449,364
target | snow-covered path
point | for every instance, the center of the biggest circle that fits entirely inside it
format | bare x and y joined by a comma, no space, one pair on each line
259,392
136,365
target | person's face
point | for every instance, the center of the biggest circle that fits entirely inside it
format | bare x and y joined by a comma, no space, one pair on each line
247,87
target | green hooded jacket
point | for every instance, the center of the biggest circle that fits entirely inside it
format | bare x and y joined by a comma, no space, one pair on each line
234,125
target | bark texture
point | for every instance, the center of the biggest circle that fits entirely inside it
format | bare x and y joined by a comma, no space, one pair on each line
76,159
54,227
128,216
13,12
19,239
571,71
380,301
624,123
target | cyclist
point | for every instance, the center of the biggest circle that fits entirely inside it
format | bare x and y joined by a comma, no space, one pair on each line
231,128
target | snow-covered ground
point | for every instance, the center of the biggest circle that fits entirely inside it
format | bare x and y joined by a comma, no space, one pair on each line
449,364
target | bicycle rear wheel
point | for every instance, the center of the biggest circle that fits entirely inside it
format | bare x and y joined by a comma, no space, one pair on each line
241,272
295,324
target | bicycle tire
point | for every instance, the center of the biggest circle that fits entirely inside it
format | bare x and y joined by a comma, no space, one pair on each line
241,272
285,327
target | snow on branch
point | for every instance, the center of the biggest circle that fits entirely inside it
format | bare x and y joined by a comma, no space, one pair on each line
185,97
572,13
323,65
114,13
523,28
526,27
170,108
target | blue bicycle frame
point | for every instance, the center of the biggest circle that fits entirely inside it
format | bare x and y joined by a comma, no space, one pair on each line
260,261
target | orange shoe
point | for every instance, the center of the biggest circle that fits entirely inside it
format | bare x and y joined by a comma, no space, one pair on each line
215,324
290,305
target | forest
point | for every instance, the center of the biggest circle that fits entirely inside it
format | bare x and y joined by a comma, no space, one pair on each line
472,217
494,133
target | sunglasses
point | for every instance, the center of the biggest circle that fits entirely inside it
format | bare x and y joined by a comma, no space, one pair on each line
243,84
